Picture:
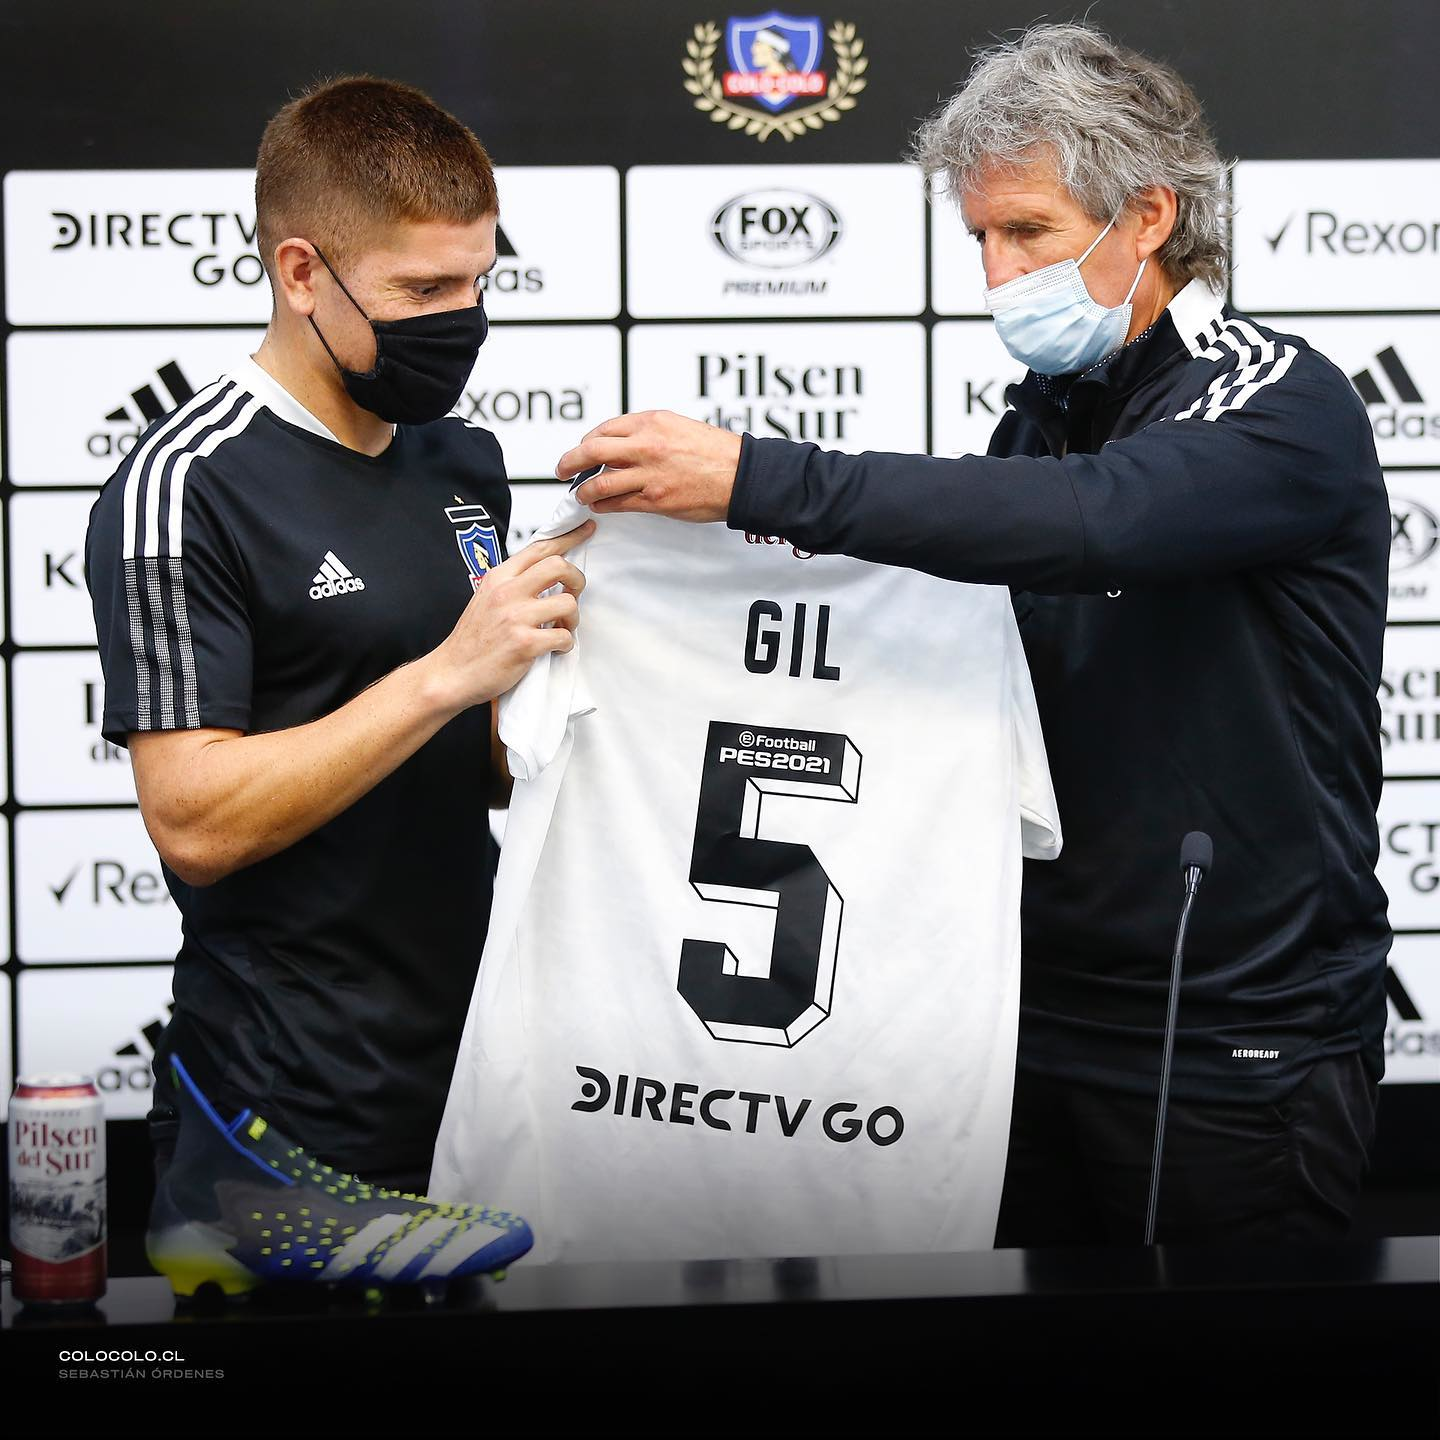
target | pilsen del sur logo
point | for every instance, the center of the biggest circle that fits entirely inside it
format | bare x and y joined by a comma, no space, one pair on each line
778,78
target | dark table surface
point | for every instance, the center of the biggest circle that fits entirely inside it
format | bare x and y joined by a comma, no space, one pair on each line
1085,1341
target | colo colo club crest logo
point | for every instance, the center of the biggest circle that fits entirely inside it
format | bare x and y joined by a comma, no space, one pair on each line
477,538
776,83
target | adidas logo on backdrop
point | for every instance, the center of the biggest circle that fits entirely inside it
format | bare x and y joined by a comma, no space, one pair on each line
1398,411
125,424
130,1067
334,578
1393,368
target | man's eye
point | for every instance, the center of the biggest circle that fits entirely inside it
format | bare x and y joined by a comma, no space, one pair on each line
978,236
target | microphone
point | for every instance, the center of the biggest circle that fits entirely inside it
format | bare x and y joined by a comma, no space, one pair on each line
1196,857
1197,854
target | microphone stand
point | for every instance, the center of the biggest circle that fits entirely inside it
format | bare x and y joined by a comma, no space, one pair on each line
1192,884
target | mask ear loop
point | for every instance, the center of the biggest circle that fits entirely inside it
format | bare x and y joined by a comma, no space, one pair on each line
345,288
1079,262
1134,284
334,359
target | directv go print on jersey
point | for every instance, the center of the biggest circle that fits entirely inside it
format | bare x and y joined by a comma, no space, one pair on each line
779,80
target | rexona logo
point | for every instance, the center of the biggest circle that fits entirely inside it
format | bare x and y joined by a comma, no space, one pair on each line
126,423
1394,400
776,229
216,236
1407,1033
110,883
509,406
511,274
1323,232
777,78
130,1068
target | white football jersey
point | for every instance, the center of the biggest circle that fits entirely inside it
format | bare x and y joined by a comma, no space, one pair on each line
751,984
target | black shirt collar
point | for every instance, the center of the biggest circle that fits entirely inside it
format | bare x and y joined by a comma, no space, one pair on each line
1184,328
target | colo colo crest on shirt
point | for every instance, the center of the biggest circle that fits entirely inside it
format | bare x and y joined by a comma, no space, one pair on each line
477,538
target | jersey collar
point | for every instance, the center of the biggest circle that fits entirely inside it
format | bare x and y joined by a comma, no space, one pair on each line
1197,314
1185,328
274,396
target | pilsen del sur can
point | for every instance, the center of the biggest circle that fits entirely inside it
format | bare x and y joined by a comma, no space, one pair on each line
57,1190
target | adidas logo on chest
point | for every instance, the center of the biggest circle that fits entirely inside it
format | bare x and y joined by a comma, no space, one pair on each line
334,578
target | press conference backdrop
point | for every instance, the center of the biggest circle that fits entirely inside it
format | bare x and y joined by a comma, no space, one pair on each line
674,234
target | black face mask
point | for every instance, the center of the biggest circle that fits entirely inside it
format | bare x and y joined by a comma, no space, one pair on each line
421,363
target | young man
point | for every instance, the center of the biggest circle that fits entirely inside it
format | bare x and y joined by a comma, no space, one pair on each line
299,650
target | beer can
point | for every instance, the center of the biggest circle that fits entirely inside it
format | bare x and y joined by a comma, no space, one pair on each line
57,1190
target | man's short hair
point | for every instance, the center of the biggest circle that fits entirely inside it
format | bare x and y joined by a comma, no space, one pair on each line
353,155
1112,121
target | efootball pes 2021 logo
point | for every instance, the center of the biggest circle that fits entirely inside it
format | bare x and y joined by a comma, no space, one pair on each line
776,82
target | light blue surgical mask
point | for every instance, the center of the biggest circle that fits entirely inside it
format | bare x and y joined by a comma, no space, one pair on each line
1050,322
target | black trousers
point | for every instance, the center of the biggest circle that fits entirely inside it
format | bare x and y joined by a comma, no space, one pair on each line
1283,1171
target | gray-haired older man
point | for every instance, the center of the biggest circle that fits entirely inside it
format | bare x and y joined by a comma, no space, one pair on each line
1190,510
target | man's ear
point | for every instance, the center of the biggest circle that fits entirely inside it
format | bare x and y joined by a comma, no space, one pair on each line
1155,209
295,264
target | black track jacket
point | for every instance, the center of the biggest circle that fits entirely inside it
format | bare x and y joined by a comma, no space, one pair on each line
1199,544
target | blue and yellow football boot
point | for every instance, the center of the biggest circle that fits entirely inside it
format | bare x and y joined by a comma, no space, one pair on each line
241,1206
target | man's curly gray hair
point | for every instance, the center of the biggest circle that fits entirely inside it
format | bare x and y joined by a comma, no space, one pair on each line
1111,121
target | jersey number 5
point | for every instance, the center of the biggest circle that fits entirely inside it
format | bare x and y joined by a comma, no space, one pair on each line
732,865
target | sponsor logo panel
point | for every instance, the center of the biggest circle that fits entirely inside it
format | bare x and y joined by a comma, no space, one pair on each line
540,390
775,74
6,743
845,387
156,246
1414,544
49,602
1409,867
103,1023
1410,701
7,1067
60,756
1412,1011
971,369
4,626
1337,234
126,247
557,244
1394,365
79,402
88,886
775,240
957,276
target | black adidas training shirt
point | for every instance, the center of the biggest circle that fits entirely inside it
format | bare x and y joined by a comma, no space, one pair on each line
1200,535
250,572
